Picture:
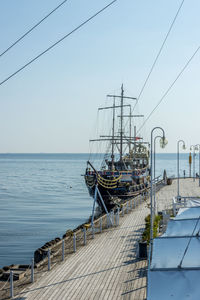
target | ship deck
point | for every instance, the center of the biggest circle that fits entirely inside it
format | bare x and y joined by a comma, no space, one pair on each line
107,268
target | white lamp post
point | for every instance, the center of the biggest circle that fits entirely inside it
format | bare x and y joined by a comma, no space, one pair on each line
194,148
154,172
198,148
163,143
178,175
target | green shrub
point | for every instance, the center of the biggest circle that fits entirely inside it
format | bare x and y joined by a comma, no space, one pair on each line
146,232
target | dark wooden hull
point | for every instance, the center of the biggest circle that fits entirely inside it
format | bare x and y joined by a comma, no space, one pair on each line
114,196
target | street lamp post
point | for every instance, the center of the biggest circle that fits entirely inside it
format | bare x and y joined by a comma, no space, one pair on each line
178,175
154,172
198,148
151,173
194,148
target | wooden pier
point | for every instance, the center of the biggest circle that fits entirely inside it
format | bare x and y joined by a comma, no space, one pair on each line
107,267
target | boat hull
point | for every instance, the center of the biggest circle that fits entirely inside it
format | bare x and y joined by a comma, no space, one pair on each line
114,191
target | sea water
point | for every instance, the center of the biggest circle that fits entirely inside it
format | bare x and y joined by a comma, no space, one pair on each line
43,195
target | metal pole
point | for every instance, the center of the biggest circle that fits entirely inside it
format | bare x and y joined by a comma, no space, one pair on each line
194,164
151,173
107,221
123,210
154,173
178,170
118,216
11,285
49,259
100,224
32,270
151,190
63,250
93,231
103,204
93,208
198,146
127,207
199,165
178,173
74,242
85,236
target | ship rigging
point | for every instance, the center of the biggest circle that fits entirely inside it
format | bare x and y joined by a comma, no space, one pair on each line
123,175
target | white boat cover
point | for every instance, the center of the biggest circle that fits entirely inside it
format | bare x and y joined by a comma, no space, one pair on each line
168,253
174,285
188,213
183,227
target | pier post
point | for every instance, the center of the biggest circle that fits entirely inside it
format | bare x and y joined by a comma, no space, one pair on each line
93,231
84,236
127,207
112,218
32,270
131,201
123,210
118,216
107,221
11,285
63,250
74,242
100,224
49,259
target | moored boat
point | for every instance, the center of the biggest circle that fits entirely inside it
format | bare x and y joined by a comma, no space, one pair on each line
123,173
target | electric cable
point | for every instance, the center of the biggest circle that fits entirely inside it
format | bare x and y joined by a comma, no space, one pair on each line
157,56
170,87
32,28
56,43
159,53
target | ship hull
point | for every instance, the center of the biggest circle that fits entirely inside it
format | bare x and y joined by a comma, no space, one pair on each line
113,192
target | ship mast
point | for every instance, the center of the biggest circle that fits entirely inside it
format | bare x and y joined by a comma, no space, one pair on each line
120,137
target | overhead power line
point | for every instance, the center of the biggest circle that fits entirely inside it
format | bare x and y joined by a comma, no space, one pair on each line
170,87
159,52
32,28
56,43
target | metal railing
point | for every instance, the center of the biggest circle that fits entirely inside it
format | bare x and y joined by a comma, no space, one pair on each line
70,244
182,202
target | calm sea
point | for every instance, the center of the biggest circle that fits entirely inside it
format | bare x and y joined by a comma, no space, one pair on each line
43,195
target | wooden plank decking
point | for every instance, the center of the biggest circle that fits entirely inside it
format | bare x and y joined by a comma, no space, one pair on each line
106,268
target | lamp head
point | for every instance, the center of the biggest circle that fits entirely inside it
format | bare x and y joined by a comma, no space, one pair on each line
184,147
163,142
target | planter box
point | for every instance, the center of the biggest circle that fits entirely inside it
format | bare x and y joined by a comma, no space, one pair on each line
169,181
142,249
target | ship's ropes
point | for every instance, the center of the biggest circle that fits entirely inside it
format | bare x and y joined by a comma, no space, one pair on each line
108,183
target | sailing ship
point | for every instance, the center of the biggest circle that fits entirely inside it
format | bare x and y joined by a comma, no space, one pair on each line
122,175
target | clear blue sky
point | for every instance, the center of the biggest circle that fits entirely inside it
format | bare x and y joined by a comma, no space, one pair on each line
52,105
